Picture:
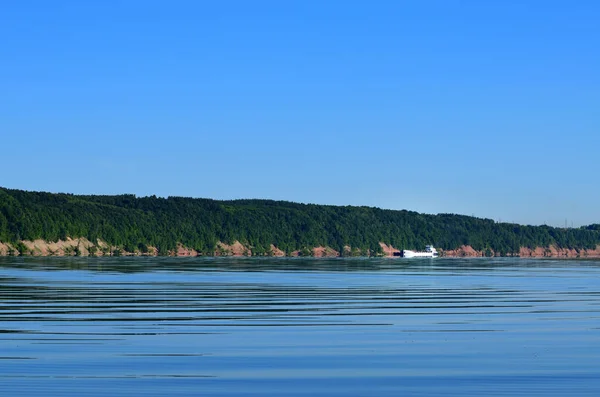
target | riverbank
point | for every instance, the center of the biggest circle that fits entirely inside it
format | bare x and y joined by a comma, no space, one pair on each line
84,247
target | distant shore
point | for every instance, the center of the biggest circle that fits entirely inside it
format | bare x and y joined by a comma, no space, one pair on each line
84,247
59,224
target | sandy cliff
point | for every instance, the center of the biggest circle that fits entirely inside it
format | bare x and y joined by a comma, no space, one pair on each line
388,250
525,252
84,247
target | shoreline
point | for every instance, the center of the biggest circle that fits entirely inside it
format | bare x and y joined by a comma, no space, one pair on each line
85,248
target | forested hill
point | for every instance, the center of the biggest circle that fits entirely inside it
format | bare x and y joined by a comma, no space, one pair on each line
134,223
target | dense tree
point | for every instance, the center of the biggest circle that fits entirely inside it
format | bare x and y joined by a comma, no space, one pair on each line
130,223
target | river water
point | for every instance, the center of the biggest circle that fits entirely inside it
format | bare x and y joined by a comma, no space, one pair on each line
299,327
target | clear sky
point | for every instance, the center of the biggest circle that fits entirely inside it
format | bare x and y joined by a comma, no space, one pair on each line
485,108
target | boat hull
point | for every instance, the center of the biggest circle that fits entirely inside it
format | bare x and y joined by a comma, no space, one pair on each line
429,252
413,254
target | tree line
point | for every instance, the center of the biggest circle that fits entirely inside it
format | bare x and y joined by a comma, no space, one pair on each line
134,223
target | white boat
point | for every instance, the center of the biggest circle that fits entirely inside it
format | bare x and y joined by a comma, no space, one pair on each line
430,252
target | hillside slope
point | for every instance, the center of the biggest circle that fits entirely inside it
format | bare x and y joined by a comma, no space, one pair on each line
262,227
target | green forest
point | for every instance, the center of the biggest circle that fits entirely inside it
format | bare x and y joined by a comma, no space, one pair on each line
134,223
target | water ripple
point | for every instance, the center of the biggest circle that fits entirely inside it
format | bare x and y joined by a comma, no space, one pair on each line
159,326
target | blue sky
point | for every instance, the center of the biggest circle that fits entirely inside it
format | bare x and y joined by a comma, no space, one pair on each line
485,108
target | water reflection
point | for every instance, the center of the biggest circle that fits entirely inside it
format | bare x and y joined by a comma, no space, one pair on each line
258,264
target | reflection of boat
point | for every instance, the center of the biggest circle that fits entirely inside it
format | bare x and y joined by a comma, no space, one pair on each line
429,252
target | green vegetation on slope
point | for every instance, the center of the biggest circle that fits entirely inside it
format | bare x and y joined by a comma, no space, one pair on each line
132,223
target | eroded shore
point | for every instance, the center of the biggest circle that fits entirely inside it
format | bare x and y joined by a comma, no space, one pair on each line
84,247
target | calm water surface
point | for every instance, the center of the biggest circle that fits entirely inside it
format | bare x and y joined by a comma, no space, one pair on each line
293,327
